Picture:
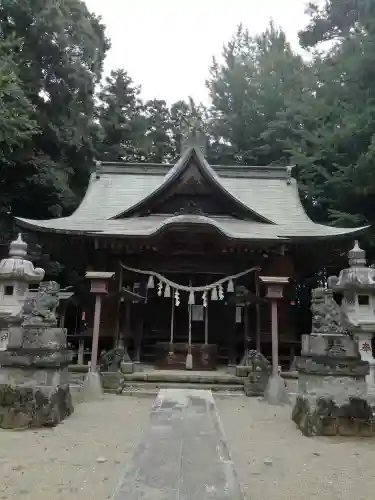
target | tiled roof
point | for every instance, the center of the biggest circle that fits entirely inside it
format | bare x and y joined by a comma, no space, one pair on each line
267,192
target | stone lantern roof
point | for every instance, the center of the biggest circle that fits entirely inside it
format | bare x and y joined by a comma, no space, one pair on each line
357,276
16,267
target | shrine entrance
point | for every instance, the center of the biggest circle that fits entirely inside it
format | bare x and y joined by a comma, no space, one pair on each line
186,315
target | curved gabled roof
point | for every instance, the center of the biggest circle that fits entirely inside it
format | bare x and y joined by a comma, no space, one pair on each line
154,224
268,195
176,172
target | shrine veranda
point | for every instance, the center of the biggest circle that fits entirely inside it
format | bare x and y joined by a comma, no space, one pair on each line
189,245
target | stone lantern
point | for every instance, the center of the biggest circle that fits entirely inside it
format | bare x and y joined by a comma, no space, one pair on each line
16,274
34,378
357,286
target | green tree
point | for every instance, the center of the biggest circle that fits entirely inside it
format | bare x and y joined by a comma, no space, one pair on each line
334,136
129,129
17,125
158,147
179,112
57,60
121,118
258,77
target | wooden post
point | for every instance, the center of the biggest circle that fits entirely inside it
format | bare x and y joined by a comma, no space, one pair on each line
81,352
189,356
275,286
257,309
128,324
231,315
171,340
95,333
189,336
140,334
117,342
206,324
99,287
246,328
275,338
62,316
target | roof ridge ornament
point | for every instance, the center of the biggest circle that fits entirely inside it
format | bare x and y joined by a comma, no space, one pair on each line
193,130
289,170
98,168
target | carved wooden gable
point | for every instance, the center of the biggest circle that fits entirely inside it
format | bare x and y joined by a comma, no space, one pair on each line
193,192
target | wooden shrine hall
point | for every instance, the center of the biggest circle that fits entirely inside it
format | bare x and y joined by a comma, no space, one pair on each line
194,250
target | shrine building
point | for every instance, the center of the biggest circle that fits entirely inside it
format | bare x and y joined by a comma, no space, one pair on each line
189,245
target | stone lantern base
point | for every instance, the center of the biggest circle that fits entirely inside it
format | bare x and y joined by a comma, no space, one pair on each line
34,380
364,340
332,390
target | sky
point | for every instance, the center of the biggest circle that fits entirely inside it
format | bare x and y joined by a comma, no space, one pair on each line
166,46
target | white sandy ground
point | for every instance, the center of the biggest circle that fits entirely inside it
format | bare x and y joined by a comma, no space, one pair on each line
61,463
302,468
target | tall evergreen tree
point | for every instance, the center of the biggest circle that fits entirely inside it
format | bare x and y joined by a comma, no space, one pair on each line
334,142
58,56
121,118
257,78
158,144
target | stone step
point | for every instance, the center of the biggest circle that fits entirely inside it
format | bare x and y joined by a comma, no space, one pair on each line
156,386
152,393
211,378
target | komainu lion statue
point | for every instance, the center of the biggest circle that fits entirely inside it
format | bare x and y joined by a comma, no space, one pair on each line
326,313
42,308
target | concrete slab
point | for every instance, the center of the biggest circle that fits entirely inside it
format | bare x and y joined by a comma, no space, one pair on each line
183,455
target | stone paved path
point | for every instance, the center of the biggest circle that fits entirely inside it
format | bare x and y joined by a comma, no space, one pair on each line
183,455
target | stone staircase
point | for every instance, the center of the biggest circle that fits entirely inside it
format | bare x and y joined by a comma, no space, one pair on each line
150,381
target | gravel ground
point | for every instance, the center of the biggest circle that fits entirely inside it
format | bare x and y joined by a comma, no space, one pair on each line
81,459
274,461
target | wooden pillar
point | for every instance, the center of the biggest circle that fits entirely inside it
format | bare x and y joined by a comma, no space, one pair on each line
95,333
246,328
118,334
139,338
206,324
64,298
127,324
171,339
99,287
120,326
231,315
257,309
62,316
275,338
275,285
81,352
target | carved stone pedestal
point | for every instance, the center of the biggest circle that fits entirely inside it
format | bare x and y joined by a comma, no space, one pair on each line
364,340
332,391
34,384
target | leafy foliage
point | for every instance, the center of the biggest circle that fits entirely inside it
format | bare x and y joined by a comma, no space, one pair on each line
47,82
256,80
334,145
